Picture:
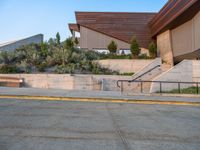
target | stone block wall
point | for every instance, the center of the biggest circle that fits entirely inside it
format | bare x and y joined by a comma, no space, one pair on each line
125,65
70,82
48,81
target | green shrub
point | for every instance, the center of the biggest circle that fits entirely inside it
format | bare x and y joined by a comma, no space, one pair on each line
44,50
52,56
5,69
152,50
25,67
112,47
7,57
76,41
97,69
135,49
68,43
127,74
70,68
41,67
143,56
91,55
114,56
189,90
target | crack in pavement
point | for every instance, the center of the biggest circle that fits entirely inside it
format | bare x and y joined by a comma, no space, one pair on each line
117,128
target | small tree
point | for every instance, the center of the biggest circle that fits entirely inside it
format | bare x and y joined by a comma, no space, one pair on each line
112,47
152,50
44,49
51,42
68,44
135,49
76,42
58,38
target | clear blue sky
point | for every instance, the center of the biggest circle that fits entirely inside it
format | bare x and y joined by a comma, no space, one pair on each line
23,18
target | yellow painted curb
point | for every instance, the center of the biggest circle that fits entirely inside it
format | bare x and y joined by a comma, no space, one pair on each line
101,100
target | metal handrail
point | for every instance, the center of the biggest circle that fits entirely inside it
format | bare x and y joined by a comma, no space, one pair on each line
138,76
160,83
147,72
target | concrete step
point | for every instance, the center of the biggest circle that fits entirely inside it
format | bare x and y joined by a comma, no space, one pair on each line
165,67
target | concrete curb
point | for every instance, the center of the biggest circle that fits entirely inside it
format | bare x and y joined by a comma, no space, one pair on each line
168,95
101,100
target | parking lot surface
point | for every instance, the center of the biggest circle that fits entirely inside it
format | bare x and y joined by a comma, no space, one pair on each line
59,125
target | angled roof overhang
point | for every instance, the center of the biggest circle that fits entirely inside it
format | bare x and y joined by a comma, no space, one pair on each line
120,25
74,27
173,14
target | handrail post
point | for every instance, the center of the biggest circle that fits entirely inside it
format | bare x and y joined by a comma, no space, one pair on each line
122,88
160,87
179,87
160,84
141,84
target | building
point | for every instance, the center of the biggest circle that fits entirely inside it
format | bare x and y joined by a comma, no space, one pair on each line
175,29
98,29
13,45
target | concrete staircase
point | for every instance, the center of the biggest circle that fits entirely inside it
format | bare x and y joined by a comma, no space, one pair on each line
147,73
186,71
165,67
182,72
146,86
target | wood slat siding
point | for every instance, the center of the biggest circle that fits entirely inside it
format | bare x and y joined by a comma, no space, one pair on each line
173,14
121,26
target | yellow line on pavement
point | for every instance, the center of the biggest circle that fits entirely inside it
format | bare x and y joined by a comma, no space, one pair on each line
101,100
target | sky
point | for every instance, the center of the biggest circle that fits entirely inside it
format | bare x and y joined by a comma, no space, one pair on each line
24,18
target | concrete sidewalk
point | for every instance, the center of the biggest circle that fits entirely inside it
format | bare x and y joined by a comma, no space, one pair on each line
4,91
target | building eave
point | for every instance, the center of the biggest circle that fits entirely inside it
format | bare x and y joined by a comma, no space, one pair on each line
173,14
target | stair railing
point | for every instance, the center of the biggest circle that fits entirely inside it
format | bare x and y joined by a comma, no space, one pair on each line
196,85
129,81
147,72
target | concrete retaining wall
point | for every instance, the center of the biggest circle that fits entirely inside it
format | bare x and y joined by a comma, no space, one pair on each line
186,71
69,82
124,65
45,80
196,70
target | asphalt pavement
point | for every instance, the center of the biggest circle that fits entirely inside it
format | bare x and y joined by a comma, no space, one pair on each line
61,125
